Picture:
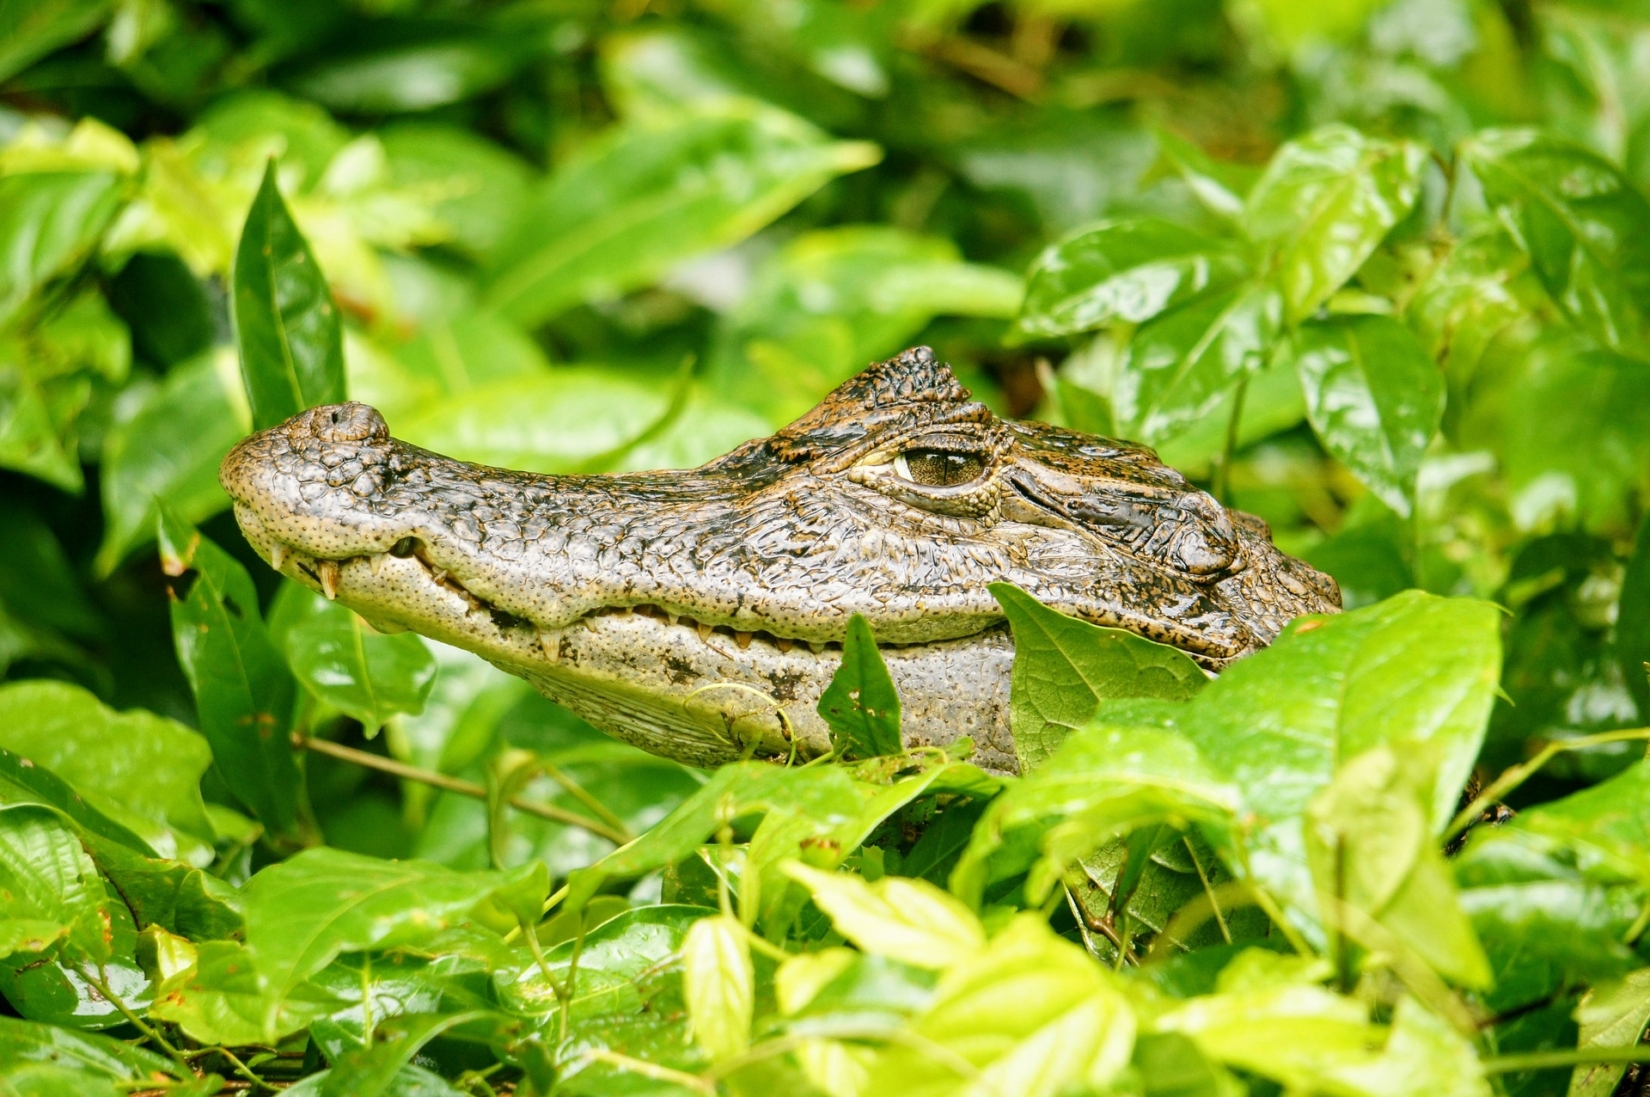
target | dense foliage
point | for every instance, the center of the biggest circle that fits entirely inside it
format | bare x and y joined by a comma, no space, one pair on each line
1378,272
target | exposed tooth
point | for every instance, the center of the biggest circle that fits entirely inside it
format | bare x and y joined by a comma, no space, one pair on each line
327,572
743,639
588,622
625,611
783,644
705,631
277,555
817,647
550,642
672,618
375,561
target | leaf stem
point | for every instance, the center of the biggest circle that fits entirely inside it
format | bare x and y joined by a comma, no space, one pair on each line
1517,775
459,785
1546,1060
1223,474
88,971
582,795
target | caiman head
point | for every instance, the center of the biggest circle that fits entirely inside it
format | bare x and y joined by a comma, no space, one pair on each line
700,613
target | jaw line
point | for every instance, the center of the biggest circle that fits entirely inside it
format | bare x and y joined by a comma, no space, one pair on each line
698,692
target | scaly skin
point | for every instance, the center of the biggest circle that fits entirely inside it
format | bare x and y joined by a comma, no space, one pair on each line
699,614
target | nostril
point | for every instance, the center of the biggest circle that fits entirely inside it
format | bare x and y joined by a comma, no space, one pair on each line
404,547
350,422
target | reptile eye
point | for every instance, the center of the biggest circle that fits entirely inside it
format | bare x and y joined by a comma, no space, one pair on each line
939,468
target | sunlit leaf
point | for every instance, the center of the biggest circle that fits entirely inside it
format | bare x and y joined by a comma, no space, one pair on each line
286,325
719,984
1374,398
49,221
1325,202
861,706
654,192
243,690
1064,668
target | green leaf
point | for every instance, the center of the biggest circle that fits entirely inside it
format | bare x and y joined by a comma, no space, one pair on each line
1064,668
1577,434
483,186
911,921
1374,398
1128,271
1413,670
45,875
861,706
223,998
1030,1012
834,299
286,325
411,77
1582,222
243,690
1611,1016
719,984
29,438
89,1055
1116,775
1374,858
166,450
137,768
1324,203
655,191
35,28
361,672
304,911
23,782
1180,364
372,1071
49,222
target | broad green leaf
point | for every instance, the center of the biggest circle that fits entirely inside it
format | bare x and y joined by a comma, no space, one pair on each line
243,690
1611,1016
1581,221
1415,669
1120,271
1116,775
653,192
304,911
29,935
861,705
1294,25
286,325
1373,857
90,1055
29,438
481,184
1030,1013
137,768
223,998
907,920
1474,297
23,782
412,77
1325,202
1577,434
1180,364
719,983
361,672
449,359
35,28
49,221
832,300
1607,824
45,875
170,894
372,1071
1064,668
561,420
1374,398
166,450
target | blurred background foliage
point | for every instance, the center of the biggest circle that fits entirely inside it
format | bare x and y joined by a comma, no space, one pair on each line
569,235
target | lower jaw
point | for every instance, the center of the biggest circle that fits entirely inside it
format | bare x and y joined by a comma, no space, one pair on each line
698,699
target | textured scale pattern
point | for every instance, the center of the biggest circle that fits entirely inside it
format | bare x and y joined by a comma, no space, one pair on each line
783,538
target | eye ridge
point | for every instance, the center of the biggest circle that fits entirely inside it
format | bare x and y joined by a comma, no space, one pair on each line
939,468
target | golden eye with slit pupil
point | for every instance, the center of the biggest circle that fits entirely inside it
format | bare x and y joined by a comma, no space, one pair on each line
938,468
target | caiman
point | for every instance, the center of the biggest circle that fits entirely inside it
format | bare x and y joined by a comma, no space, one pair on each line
699,614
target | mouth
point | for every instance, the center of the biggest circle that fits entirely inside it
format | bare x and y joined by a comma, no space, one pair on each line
701,691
